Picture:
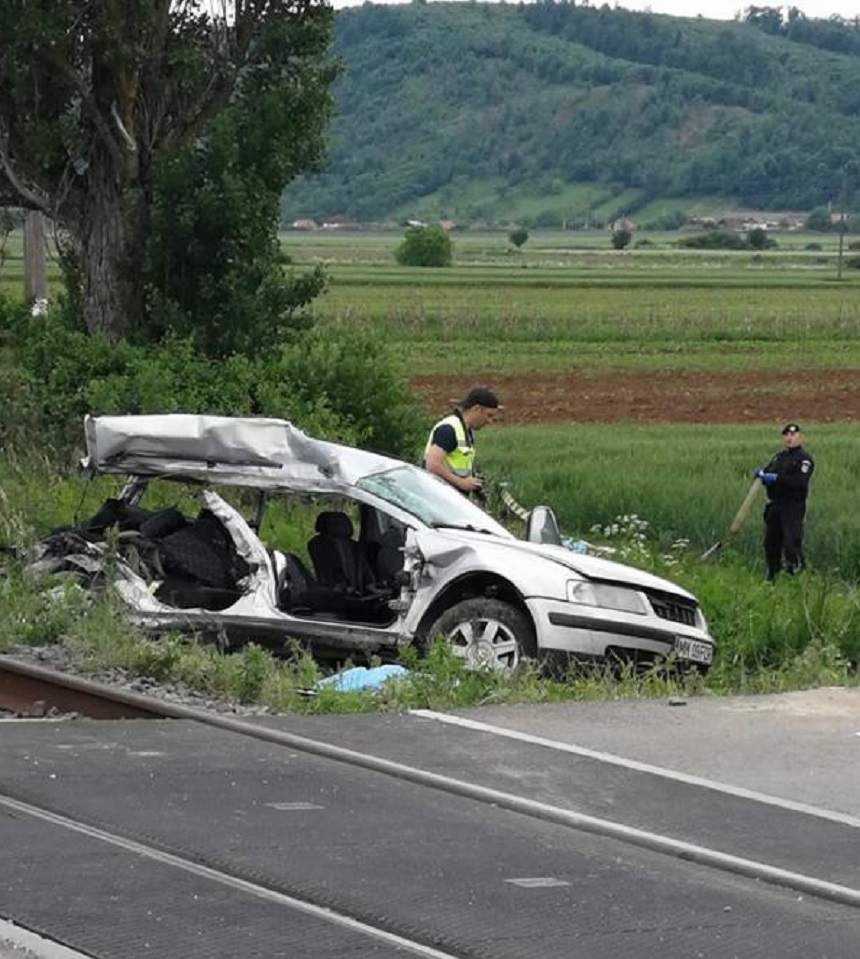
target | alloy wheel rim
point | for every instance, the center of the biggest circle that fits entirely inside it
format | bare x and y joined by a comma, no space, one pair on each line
484,642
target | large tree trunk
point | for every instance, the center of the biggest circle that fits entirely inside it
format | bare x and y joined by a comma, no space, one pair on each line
111,296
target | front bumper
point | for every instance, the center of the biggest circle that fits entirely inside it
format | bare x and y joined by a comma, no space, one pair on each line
591,630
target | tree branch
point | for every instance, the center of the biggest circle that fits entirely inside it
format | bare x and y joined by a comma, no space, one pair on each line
99,122
35,200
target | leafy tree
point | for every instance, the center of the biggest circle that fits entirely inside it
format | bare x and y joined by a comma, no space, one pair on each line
518,236
757,238
213,265
425,246
819,220
95,97
621,238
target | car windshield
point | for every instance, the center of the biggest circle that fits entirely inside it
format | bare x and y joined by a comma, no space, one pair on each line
432,500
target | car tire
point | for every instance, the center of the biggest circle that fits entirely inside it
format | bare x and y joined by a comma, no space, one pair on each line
486,632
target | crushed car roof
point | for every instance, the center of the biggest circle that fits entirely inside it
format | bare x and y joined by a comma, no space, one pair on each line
224,450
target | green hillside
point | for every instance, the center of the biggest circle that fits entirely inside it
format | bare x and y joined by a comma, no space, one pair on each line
552,112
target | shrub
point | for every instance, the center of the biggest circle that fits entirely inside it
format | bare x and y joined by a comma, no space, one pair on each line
855,245
816,247
621,238
518,236
338,383
757,238
714,240
346,385
425,246
853,263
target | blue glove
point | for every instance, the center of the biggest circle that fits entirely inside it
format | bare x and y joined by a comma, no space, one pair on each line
768,478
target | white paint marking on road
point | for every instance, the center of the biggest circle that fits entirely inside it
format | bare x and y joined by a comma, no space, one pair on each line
294,806
538,882
242,885
37,946
788,804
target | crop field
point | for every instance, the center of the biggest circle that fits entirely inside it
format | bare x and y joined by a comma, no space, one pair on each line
566,302
649,382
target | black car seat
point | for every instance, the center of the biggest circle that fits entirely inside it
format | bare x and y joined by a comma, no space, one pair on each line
389,558
296,585
338,559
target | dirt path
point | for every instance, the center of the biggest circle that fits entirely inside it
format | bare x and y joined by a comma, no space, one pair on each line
660,396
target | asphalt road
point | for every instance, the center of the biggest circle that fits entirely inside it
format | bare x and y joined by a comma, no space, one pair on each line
447,872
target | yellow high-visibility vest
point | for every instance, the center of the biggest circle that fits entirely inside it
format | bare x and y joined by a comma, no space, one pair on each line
460,459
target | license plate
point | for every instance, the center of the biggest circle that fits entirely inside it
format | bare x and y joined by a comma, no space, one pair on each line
693,650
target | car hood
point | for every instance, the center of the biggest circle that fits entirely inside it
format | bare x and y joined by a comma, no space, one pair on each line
589,567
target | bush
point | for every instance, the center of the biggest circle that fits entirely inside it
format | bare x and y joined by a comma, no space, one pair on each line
621,238
816,247
518,236
757,238
346,385
425,246
339,384
855,245
714,240
853,263
643,244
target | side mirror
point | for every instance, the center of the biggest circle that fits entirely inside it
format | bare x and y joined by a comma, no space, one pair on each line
542,527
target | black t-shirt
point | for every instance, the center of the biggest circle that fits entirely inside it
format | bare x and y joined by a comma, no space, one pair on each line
445,437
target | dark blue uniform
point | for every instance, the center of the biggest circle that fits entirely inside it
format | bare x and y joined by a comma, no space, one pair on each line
786,509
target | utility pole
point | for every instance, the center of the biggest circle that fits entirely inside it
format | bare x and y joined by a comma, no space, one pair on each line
843,219
35,278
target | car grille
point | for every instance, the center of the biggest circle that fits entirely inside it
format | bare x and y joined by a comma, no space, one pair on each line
673,608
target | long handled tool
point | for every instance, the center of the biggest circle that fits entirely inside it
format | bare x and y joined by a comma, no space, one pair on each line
737,522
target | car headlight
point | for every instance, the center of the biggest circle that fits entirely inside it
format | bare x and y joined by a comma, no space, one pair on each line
605,596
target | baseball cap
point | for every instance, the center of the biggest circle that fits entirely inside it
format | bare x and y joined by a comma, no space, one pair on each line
481,396
791,428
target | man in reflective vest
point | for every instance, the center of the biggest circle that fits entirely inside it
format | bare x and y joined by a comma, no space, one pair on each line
450,450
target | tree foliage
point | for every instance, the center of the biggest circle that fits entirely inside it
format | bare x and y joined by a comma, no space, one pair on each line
668,107
518,236
95,99
621,238
425,246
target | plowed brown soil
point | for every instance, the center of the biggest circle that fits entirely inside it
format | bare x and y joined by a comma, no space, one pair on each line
686,396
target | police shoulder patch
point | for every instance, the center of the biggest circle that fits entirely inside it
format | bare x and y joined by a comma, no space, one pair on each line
805,466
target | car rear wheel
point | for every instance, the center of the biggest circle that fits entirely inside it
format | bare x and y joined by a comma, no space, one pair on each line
486,632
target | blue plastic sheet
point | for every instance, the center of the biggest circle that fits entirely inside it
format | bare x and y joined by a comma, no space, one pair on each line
360,677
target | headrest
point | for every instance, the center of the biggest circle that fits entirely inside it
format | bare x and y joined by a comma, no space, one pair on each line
337,525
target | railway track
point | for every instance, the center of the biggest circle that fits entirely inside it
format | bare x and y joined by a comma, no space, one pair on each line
23,684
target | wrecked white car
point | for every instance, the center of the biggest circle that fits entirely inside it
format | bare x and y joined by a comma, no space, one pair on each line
397,556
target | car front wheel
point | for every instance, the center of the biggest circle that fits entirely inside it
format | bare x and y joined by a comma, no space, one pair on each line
486,632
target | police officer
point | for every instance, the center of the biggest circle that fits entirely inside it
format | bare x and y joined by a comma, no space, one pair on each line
450,450
786,480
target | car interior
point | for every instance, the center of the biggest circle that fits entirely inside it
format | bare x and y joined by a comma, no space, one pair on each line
353,578
196,564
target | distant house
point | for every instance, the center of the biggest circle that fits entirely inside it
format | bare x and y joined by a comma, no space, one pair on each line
339,223
622,223
448,225
414,222
304,224
839,217
743,221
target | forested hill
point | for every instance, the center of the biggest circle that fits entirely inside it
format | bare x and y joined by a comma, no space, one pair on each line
475,111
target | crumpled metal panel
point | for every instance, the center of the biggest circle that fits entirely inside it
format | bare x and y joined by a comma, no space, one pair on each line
232,450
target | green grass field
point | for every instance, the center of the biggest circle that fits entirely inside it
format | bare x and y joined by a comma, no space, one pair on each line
686,481
567,300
